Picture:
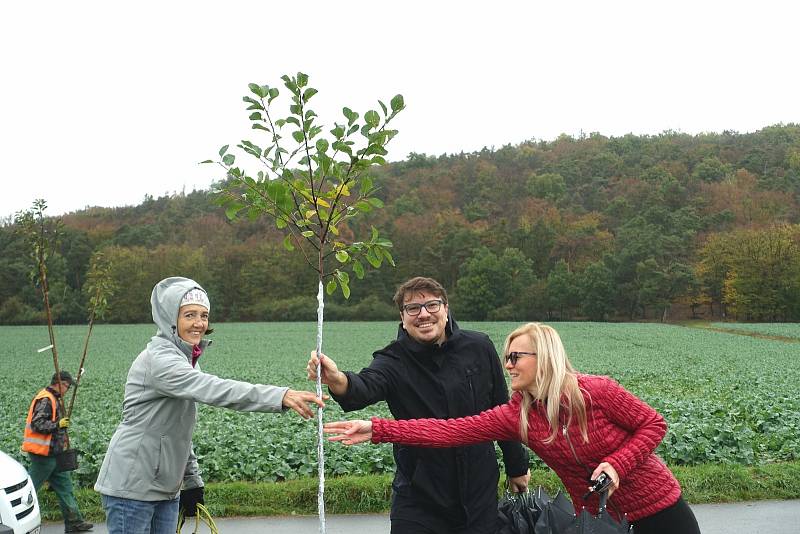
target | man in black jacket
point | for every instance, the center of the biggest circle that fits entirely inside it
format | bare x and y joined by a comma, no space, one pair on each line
434,369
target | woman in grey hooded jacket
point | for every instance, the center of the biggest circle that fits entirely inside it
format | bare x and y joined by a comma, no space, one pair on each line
150,457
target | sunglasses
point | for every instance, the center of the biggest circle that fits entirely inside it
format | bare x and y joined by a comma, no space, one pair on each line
514,356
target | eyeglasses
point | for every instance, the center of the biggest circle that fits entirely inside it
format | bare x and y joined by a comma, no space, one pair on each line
514,356
432,306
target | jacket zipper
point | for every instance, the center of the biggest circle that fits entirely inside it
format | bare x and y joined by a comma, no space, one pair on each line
472,391
575,455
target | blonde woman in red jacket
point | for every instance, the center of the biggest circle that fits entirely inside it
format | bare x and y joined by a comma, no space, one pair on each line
597,427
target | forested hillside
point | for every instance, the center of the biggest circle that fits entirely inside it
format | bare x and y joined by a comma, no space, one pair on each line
658,227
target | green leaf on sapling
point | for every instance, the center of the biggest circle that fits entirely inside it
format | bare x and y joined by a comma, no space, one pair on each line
397,103
372,118
358,269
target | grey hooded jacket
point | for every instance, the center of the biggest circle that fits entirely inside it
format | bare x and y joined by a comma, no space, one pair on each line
150,455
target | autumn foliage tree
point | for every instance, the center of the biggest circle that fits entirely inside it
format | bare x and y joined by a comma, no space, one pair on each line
612,227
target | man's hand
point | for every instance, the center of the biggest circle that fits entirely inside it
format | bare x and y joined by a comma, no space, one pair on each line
331,375
297,401
519,484
63,422
349,432
190,498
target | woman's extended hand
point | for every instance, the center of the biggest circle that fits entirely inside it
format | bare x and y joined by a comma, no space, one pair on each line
299,400
611,472
349,432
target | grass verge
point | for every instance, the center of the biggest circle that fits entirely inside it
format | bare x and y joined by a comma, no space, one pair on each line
371,494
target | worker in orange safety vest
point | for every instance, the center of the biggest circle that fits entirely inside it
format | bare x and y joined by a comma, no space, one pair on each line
44,438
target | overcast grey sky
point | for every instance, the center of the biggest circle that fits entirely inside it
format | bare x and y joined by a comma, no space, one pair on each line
104,102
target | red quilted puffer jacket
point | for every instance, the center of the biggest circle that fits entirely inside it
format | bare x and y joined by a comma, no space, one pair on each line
623,431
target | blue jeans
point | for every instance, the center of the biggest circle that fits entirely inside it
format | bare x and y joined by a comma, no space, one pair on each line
129,516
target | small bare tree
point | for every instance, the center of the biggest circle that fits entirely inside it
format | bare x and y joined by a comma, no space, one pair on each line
99,287
43,235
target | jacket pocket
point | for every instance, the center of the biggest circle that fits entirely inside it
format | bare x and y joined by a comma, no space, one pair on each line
168,469
161,457
477,389
471,387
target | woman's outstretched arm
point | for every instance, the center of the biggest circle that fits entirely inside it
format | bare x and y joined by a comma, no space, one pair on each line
499,423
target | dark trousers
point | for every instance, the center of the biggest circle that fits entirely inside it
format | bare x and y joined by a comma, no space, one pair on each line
485,526
44,468
677,519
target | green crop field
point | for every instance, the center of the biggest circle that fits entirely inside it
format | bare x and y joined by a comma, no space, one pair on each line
727,398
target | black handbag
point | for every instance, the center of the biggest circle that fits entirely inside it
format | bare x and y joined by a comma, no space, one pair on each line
538,513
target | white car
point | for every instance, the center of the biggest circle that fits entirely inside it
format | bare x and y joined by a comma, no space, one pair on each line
19,506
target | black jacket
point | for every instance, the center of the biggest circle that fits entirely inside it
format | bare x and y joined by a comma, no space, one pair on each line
461,377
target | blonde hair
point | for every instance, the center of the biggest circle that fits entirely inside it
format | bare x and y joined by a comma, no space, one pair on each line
556,386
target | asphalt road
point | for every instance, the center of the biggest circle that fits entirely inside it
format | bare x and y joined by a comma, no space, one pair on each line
757,517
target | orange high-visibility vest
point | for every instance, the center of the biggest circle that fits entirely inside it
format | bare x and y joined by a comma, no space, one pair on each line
32,441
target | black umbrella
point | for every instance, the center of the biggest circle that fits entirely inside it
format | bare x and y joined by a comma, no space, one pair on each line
517,513
602,523
557,514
